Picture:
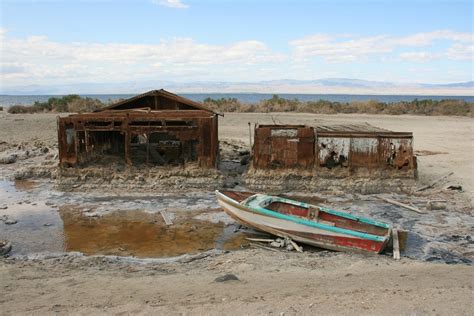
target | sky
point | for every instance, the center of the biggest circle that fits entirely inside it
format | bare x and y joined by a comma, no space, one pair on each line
104,41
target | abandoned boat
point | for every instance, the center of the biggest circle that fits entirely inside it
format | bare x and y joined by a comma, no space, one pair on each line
306,223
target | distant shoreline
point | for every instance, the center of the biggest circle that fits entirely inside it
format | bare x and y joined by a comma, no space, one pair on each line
9,100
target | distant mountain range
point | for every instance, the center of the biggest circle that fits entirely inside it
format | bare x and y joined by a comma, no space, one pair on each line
320,86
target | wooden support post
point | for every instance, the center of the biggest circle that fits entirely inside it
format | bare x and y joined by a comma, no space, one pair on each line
396,245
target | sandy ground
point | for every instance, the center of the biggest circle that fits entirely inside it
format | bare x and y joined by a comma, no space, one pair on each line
269,282
451,139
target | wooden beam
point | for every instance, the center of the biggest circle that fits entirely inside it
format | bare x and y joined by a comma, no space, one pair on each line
259,239
414,209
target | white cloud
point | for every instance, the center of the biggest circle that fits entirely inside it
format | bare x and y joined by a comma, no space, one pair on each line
177,4
345,49
418,56
36,58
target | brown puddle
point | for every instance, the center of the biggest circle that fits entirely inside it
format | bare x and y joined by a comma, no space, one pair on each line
144,235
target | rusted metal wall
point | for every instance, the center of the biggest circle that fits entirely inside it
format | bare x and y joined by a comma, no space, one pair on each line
353,150
191,134
283,146
286,146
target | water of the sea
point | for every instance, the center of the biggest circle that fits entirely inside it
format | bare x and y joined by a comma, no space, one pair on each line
8,100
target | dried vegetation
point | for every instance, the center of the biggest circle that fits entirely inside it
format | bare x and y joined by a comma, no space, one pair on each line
277,104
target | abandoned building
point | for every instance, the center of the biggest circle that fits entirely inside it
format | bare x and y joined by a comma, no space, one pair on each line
340,147
151,129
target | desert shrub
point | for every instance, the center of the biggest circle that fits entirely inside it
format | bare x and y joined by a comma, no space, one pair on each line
277,104
223,104
20,109
84,105
1,108
68,103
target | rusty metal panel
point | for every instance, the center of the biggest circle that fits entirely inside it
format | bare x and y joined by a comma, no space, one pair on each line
283,146
333,151
364,152
396,153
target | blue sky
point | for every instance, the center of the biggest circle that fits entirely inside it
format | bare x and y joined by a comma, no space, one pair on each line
188,40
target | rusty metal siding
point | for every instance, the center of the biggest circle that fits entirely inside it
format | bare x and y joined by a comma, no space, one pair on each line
365,149
333,151
283,146
341,147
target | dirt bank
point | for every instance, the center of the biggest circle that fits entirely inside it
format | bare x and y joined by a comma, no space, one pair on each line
269,283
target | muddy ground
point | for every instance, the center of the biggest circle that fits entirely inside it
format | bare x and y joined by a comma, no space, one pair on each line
88,241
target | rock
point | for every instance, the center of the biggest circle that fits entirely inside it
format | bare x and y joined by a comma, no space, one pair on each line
227,277
8,158
47,224
278,243
5,247
436,205
9,221
3,207
92,214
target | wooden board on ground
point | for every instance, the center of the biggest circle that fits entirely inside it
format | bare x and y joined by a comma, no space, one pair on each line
166,217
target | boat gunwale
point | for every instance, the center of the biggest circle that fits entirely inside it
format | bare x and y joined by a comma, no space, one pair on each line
266,212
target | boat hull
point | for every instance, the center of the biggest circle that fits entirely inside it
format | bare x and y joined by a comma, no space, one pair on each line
298,232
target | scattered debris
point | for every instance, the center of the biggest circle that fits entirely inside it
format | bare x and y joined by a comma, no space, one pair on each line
412,208
432,184
286,243
5,247
455,188
227,277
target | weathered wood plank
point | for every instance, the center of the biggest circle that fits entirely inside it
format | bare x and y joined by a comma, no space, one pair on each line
396,246
166,217
298,248
259,239
412,208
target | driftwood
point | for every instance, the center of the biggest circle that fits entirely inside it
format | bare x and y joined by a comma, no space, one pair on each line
166,217
396,245
432,184
414,209
259,239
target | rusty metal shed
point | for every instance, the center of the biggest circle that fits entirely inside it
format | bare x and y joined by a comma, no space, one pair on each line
154,128
343,147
